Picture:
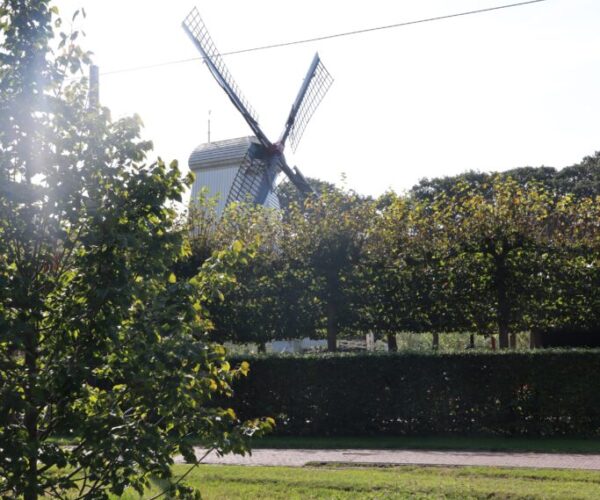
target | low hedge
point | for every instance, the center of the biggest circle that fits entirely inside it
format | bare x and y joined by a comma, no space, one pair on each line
548,393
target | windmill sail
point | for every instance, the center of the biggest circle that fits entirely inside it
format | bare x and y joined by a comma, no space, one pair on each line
240,174
311,93
255,178
196,29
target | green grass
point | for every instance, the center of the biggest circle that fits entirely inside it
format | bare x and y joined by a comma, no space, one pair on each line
449,342
543,445
238,482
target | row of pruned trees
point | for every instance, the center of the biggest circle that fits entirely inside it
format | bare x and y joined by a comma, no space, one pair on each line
498,256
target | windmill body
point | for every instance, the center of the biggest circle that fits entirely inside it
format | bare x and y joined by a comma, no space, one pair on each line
233,170
246,169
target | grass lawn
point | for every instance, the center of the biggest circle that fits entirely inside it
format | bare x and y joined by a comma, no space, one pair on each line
238,482
545,445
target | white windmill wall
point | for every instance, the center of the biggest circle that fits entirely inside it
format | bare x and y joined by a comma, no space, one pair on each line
217,180
215,166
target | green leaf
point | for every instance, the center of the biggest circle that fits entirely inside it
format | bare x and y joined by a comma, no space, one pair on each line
237,246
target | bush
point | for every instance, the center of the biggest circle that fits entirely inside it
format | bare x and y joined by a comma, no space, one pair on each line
549,393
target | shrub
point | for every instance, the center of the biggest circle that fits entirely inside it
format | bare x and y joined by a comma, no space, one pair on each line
545,393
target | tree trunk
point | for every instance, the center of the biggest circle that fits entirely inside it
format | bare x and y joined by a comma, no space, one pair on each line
513,340
472,341
392,342
262,347
535,340
331,327
502,307
436,341
31,417
30,340
503,337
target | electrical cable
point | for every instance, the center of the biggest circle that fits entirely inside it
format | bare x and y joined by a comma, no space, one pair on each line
328,37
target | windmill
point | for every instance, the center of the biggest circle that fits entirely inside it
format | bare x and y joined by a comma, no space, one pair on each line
247,167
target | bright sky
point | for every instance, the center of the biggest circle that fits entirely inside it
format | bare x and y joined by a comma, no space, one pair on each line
491,91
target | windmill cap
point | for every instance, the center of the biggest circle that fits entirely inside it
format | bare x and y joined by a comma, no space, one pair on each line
220,153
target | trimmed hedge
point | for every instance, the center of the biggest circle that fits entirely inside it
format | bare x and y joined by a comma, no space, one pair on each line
542,393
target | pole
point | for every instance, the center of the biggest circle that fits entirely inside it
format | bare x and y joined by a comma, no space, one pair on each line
94,90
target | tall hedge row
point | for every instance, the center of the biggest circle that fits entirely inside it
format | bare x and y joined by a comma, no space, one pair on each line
547,393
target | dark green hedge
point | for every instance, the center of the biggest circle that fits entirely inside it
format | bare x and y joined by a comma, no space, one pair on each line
548,393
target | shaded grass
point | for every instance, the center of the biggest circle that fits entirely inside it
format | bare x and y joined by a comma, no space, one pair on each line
542,445
340,482
463,443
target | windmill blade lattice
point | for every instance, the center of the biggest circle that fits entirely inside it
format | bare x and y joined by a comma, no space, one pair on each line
320,81
255,173
197,31
247,182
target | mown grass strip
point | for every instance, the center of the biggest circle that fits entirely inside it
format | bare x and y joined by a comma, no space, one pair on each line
239,482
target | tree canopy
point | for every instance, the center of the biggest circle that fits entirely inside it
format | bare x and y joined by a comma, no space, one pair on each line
493,255
580,180
99,339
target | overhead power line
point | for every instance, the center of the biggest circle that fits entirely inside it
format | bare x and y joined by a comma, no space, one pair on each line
329,37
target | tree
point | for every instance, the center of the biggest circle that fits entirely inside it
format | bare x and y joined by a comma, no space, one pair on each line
568,269
411,280
581,180
252,310
502,231
323,243
390,294
199,225
288,194
273,296
98,338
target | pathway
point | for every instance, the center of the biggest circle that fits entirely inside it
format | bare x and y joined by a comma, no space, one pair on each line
299,458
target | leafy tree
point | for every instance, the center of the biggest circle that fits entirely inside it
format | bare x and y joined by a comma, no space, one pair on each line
288,193
98,338
412,280
581,180
390,292
501,231
323,244
268,300
252,310
199,226
569,268
429,189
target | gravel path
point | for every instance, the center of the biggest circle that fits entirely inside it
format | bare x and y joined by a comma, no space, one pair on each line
298,458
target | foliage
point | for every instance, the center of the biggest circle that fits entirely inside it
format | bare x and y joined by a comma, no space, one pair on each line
502,244
540,393
324,241
252,311
302,279
198,225
581,180
289,195
390,292
98,336
492,257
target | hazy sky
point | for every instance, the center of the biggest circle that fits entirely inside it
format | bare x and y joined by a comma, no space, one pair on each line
490,91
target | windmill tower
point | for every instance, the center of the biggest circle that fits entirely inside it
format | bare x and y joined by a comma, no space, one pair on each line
246,168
